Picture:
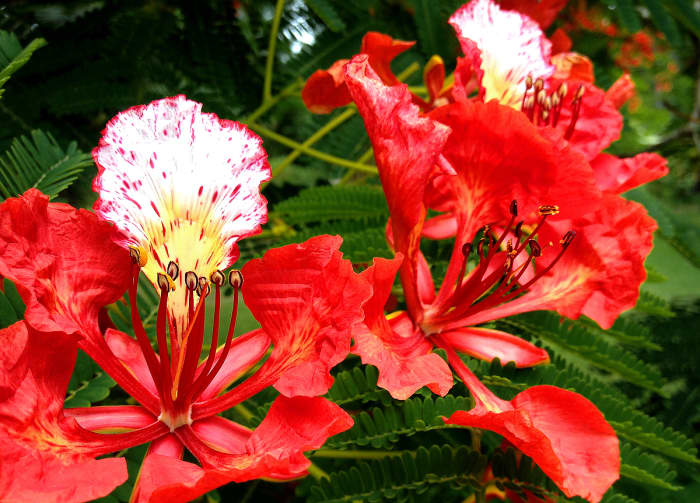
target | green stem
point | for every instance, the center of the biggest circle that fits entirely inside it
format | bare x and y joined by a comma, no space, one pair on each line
267,104
317,472
269,64
337,454
327,128
310,151
243,411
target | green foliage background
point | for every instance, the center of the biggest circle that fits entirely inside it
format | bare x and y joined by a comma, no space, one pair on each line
67,67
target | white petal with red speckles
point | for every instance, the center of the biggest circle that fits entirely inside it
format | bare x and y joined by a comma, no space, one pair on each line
180,183
504,46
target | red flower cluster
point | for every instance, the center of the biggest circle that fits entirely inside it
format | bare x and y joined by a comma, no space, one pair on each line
517,177
182,188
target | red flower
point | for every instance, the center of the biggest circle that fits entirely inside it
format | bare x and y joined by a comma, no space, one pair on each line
182,188
490,155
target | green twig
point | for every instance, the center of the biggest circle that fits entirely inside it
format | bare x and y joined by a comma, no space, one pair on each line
317,472
310,151
323,131
269,64
366,454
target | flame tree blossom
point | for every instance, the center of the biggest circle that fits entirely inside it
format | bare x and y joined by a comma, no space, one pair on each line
181,188
502,170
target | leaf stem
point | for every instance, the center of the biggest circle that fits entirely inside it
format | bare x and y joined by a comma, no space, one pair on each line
359,454
317,472
272,45
323,131
310,151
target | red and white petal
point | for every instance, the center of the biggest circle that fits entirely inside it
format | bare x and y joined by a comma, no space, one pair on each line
504,46
487,344
181,184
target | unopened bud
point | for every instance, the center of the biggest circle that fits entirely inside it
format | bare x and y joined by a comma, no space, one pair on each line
514,208
218,278
548,209
173,270
235,278
165,282
567,239
535,247
191,280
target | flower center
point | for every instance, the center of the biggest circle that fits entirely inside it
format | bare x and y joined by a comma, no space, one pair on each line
178,376
507,267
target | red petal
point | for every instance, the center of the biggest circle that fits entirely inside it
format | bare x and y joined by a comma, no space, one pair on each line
129,353
381,50
563,432
13,358
560,41
574,66
621,91
275,449
620,175
325,90
47,457
487,344
63,261
247,350
440,227
307,299
112,417
402,354
601,271
599,123
406,147
542,11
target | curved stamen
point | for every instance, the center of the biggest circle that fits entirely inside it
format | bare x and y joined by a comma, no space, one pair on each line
161,321
136,322
185,348
236,281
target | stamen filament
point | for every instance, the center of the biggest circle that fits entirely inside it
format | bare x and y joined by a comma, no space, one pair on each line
136,322
184,348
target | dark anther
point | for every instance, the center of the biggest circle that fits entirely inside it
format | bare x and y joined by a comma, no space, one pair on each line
528,82
579,92
191,280
539,84
567,239
548,209
164,282
541,97
518,230
466,249
235,278
218,278
202,282
173,270
137,256
514,208
535,247
509,262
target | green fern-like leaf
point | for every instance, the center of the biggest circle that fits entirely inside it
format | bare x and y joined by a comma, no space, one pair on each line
651,304
583,348
645,468
13,56
88,383
382,426
320,204
357,385
327,13
40,162
11,304
402,476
